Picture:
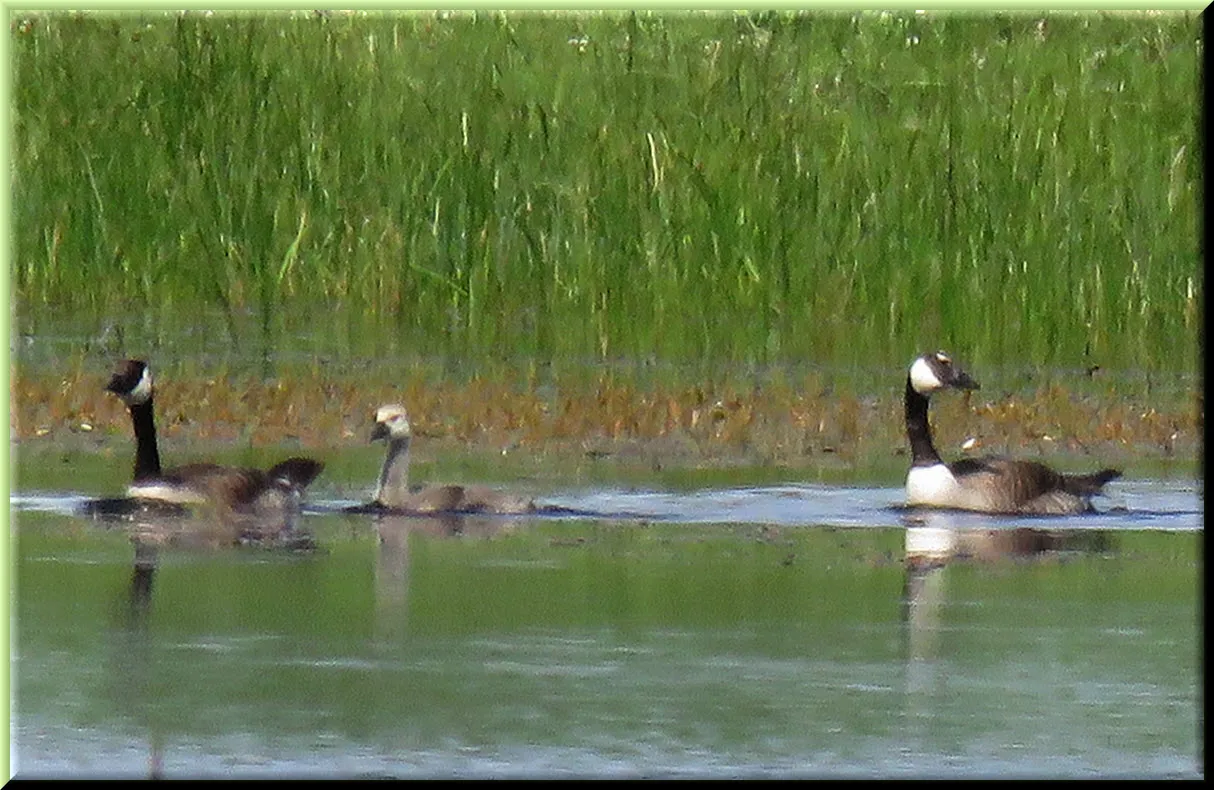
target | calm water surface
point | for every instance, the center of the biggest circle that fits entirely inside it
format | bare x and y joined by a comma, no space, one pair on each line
755,632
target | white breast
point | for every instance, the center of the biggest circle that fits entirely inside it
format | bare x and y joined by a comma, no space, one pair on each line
166,492
931,485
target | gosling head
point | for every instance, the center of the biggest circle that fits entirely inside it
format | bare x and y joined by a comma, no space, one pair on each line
932,372
132,381
391,423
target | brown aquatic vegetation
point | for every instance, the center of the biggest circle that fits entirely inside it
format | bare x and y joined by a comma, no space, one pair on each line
788,424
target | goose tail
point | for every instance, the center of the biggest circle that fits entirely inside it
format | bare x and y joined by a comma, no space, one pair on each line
296,472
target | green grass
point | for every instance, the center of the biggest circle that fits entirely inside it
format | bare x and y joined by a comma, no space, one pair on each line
702,189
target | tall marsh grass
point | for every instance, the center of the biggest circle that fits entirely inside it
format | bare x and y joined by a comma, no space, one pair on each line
712,189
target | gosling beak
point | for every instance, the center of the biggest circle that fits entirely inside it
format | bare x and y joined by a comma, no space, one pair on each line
380,431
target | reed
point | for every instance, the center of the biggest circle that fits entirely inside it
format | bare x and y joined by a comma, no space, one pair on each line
701,189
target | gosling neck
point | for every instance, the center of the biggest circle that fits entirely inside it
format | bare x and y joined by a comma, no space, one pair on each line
393,486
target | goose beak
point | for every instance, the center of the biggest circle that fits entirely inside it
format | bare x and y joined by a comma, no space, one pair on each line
962,381
380,431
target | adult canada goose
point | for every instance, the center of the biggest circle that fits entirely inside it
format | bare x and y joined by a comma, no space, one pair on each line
248,494
394,494
989,485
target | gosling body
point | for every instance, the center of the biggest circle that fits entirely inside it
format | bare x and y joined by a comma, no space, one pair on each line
394,494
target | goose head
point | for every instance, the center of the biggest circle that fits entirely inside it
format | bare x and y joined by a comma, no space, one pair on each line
391,423
132,381
937,371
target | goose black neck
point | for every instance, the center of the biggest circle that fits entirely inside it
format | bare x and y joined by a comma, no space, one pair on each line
918,431
147,457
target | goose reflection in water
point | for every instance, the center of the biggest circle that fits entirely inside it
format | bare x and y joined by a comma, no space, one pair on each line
151,536
937,539
133,654
215,528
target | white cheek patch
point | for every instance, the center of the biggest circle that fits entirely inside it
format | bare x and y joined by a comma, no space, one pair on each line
931,485
922,378
143,389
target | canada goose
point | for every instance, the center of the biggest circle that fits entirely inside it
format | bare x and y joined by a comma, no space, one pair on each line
989,485
250,494
394,494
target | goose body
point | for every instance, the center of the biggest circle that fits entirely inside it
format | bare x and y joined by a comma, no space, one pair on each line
993,484
393,494
246,494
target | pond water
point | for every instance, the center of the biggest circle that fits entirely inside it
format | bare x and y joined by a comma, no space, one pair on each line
767,632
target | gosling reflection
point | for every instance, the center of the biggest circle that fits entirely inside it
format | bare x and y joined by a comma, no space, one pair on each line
392,564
